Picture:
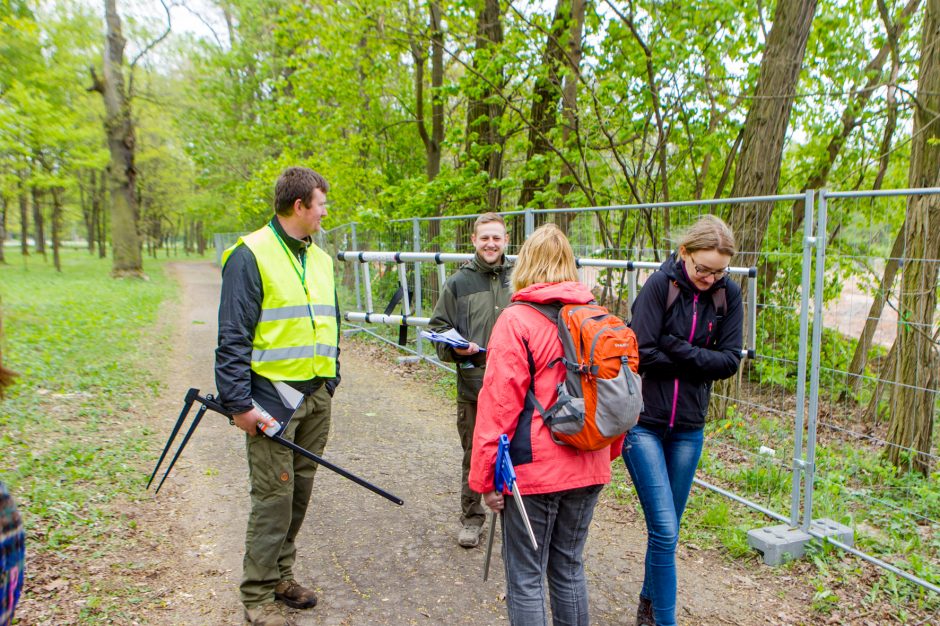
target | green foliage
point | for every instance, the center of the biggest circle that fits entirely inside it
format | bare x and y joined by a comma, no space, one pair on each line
662,94
72,441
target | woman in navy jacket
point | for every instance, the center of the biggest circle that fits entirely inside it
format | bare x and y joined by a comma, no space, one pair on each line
688,320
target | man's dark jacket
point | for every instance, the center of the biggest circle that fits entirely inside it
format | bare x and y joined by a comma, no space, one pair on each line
470,302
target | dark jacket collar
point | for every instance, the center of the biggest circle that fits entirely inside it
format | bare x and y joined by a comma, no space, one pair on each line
479,265
296,246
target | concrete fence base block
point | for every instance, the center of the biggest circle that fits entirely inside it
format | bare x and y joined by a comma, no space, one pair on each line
779,544
409,359
834,530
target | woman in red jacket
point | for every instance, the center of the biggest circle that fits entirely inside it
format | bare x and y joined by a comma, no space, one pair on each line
560,484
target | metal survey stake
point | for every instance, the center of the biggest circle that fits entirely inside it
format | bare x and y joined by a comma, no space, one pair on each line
505,478
271,430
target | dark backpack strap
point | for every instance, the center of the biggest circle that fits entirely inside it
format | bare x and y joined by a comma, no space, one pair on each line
719,298
550,311
720,301
672,295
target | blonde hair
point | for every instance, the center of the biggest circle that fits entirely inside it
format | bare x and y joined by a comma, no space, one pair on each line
708,233
545,257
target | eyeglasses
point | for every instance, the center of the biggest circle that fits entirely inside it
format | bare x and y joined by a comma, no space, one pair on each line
704,271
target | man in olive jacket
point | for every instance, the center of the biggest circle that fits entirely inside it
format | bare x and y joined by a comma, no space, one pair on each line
469,303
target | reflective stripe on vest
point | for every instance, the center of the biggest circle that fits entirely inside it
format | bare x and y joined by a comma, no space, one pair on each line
295,339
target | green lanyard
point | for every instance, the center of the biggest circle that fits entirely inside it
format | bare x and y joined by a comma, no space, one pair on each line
303,263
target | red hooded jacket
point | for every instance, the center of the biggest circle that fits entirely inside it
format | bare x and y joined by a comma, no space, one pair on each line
525,341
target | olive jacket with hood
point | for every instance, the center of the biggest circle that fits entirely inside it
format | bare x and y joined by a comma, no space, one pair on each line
523,345
471,300
685,348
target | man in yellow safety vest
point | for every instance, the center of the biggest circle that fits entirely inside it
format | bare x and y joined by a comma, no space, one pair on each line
279,350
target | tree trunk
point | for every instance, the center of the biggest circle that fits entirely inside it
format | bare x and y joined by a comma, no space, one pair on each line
365,102
765,129
911,425
437,85
24,218
122,172
569,109
101,197
433,141
860,358
545,97
484,141
200,239
872,411
3,228
89,211
849,119
39,223
56,226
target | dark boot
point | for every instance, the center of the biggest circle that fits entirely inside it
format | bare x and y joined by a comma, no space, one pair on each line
295,595
644,613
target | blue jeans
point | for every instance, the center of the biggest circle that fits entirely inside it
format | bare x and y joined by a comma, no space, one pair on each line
560,522
662,465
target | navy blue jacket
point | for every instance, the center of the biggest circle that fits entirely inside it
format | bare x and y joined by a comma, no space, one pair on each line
678,373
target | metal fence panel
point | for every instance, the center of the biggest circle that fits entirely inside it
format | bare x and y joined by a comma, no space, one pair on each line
802,433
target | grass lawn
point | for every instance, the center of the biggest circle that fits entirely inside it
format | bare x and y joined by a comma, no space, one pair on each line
87,349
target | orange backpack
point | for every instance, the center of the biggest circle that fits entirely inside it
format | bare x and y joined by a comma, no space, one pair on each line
600,398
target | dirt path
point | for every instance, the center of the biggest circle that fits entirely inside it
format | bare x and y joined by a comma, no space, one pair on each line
374,562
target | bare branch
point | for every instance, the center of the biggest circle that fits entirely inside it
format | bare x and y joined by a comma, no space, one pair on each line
96,83
148,48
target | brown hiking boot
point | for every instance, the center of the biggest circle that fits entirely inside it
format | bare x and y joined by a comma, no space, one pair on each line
295,595
267,614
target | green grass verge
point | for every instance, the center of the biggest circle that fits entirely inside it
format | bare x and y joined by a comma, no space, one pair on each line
87,349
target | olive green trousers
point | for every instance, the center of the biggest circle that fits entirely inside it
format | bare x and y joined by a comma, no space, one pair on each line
281,484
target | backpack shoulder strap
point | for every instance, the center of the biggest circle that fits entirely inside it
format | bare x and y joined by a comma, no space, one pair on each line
672,295
719,298
550,311
720,301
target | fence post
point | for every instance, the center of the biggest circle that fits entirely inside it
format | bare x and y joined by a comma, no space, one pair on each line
809,243
529,222
419,309
816,347
355,246
782,542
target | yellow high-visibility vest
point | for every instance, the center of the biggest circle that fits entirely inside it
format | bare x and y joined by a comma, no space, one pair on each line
296,336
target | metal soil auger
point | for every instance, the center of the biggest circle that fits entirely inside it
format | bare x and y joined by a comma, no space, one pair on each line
209,402
505,478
